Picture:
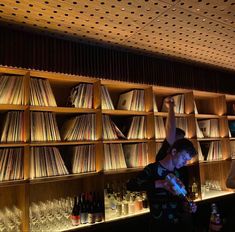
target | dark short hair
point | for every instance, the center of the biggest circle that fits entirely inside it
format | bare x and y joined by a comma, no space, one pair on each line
179,131
184,145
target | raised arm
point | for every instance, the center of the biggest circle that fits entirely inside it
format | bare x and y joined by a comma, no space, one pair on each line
170,129
170,121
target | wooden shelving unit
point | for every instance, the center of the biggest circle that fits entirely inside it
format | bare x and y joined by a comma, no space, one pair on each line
22,193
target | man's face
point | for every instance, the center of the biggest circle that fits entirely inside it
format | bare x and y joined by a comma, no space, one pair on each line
181,158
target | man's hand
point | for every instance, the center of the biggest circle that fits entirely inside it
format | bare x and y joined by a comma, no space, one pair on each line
168,186
190,207
169,102
176,184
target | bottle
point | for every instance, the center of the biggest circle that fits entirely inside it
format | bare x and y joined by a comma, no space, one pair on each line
108,189
215,220
91,208
75,215
84,209
180,190
194,190
131,209
98,209
125,205
139,202
145,200
119,205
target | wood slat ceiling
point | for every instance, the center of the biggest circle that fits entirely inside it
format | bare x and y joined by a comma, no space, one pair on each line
196,30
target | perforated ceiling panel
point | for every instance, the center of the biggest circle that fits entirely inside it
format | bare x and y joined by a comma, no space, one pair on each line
197,30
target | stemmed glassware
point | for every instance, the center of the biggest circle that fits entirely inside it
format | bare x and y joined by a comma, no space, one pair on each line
10,219
52,215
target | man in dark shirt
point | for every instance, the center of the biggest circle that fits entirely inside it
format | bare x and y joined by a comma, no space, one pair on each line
172,133
168,210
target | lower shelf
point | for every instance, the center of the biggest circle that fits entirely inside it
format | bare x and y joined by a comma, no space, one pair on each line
215,193
144,211
74,228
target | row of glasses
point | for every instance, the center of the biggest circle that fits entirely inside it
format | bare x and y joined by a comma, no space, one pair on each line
213,185
210,185
10,219
52,215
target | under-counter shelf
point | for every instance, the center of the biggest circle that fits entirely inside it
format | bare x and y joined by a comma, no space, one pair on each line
215,193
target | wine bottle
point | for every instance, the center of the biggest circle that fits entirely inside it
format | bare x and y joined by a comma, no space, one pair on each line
83,210
99,209
91,208
75,215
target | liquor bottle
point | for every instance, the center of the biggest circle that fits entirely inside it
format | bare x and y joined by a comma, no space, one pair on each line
131,209
138,202
125,204
215,220
109,198
145,200
180,190
108,189
75,215
194,190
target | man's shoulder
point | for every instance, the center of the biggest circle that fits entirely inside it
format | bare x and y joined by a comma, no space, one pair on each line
152,167
163,150
156,169
154,164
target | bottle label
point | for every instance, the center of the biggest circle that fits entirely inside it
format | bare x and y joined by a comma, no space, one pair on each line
75,219
84,218
91,218
99,217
